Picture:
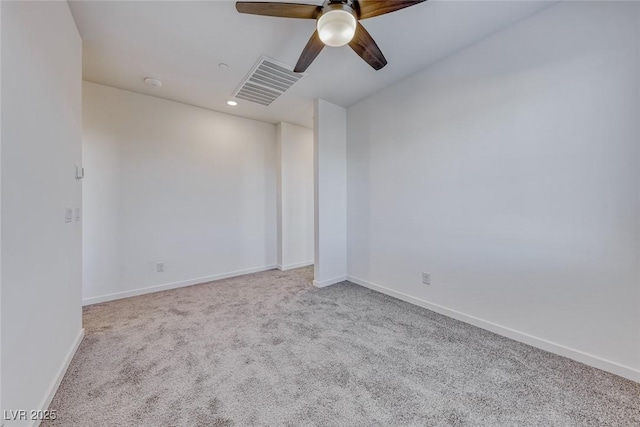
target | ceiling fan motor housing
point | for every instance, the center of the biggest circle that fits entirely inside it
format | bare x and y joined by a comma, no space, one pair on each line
347,5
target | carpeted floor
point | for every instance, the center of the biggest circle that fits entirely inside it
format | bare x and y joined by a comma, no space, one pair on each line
270,349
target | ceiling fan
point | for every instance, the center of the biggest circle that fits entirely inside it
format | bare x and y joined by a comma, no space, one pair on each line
337,24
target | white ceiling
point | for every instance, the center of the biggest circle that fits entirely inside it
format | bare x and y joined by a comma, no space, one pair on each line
182,43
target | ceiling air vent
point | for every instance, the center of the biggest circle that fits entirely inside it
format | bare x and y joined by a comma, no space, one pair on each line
266,81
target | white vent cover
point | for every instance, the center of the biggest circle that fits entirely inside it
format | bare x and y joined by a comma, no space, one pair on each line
266,81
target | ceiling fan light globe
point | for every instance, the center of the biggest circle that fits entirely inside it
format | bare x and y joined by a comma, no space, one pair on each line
336,28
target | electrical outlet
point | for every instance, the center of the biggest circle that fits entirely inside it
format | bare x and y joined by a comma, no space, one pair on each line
160,267
426,278
68,215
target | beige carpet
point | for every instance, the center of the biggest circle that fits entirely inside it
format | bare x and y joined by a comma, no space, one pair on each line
269,349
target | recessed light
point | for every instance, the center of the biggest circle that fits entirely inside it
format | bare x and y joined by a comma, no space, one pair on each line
153,82
223,66
232,103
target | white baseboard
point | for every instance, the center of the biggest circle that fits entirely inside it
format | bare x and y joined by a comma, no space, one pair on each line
174,285
58,378
287,267
329,282
559,349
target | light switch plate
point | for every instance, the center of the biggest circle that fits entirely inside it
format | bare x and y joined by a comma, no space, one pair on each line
68,215
79,172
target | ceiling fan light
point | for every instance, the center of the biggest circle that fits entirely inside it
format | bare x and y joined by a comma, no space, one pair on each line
336,27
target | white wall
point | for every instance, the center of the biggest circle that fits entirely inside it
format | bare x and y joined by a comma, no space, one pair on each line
295,196
41,254
330,165
1,406
168,182
509,171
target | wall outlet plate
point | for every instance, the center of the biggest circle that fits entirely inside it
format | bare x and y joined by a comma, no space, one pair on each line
160,267
68,215
426,278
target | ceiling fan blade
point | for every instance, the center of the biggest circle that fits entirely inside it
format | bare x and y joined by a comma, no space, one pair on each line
282,10
311,50
364,45
370,8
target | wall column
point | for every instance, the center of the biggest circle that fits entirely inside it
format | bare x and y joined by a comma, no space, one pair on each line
330,161
295,196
